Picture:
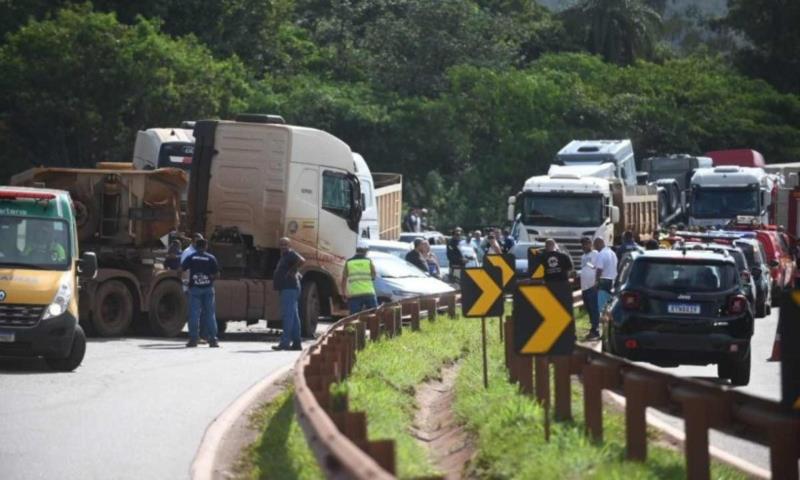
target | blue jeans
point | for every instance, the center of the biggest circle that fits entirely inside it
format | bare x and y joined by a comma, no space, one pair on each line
201,302
361,303
590,304
291,317
603,297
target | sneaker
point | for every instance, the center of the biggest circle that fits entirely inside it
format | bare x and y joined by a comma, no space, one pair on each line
279,347
213,344
592,336
191,344
296,347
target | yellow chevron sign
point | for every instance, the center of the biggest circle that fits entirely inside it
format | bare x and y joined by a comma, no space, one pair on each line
796,297
481,292
543,321
506,264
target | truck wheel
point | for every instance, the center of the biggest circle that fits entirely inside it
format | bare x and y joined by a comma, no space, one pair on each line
167,311
113,309
75,356
738,371
309,309
663,205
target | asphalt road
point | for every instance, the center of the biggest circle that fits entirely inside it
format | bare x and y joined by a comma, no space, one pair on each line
765,381
136,408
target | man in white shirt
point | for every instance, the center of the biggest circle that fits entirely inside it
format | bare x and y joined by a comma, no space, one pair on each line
606,272
589,287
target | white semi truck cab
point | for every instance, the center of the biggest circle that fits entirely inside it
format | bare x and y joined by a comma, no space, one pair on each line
720,194
584,194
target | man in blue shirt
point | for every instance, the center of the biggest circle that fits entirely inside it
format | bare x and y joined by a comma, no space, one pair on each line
286,280
203,270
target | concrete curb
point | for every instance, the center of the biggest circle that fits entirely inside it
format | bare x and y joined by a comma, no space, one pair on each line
205,460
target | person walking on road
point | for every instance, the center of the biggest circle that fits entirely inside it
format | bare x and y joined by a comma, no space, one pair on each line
203,269
588,278
286,280
416,257
358,281
454,255
606,272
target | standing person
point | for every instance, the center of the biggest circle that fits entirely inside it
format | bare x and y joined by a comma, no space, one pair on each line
628,244
430,259
416,257
286,280
589,287
476,242
508,241
606,272
184,255
413,222
557,265
203,270
173,258
492,246
358,281
454,256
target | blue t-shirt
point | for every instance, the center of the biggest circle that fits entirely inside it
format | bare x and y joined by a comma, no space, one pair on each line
202,267
281,280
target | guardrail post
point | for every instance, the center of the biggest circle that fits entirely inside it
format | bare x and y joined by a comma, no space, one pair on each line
592,401
635,390
382,451
431,305
361,333
563,388
695,412
398,319
451,305
784,447
374,327
411,307
509,346
387,319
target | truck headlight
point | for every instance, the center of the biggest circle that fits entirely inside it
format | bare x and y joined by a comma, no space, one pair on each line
62,298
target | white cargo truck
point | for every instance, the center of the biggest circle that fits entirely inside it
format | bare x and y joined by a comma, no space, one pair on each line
591,191
720,194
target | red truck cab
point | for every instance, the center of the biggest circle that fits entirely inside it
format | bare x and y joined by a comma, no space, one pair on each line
742,157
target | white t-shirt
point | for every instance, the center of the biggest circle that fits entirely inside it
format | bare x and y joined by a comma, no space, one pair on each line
588,272
607,261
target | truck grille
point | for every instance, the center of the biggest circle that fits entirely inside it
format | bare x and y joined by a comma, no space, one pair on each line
571,245
20,315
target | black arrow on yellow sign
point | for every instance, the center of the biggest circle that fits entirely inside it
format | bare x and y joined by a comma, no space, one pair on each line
481,292
507,265
543,319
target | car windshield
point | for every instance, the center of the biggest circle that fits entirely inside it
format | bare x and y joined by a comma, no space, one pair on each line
724,202
36,243
562,210
683,277
392,267
749,253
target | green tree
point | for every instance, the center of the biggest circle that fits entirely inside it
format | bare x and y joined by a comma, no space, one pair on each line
619,30
75,88
772,30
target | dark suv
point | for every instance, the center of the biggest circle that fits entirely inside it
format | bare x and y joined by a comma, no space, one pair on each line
678,307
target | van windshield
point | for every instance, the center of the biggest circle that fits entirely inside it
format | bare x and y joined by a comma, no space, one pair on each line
35,243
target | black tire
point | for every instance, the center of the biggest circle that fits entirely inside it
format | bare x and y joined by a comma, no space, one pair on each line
663,205
768,309
76,353
724,371
309,309
738,371
167,310
113,309
776,296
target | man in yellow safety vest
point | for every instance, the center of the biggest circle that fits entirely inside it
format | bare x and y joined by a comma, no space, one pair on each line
357,281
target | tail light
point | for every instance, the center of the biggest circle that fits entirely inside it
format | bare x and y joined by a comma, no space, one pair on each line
631,300
737,304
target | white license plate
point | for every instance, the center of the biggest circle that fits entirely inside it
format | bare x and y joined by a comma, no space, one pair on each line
6,337
684,308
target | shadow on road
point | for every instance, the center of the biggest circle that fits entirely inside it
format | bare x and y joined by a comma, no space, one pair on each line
24,366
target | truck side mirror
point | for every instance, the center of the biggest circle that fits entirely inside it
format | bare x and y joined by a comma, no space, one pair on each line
614,214
774,263
642,178
512,200
87,265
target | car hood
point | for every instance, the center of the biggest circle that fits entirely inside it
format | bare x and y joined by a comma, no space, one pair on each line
412,286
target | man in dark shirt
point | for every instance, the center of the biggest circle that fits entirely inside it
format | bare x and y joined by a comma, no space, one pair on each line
416,257
556,265
454,256
203,269
286,280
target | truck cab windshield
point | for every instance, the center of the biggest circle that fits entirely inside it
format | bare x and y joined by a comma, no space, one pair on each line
35,243
176,155
562,210
724,202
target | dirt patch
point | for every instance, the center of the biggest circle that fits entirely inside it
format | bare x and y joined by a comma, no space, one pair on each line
435,425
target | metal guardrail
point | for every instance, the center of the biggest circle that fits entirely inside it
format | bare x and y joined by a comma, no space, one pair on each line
339,437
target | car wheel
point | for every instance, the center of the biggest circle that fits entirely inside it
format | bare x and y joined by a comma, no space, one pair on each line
309,309
768,309
76,353
761,309
740,370
167,313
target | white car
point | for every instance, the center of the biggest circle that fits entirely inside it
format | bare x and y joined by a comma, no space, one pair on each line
397,279
430,235
398,249
470,257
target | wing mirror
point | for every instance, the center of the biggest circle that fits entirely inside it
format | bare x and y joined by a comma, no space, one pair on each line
87,265
774,263
614,214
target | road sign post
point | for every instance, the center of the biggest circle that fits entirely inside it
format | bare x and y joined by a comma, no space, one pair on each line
481,297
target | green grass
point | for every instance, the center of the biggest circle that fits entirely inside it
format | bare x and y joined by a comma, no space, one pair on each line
281,451
386,374
510,433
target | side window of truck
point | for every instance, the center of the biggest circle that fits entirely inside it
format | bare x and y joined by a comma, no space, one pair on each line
336,193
